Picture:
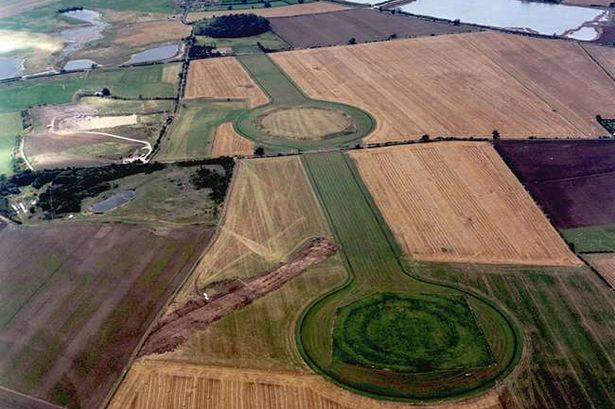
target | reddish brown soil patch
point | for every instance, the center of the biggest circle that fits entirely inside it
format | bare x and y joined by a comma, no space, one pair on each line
573,181
77,300
198,314
364,25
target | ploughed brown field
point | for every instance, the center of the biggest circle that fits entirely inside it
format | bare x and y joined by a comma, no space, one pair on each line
573,181
222,78
172,384
227,142
461,85
458,202
292,10
78,298
364,25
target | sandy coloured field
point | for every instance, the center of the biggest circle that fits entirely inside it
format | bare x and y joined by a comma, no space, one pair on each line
461,85
222,78
169,384
458,202
292,10
304,123
227,142
150,32
271,210
604,263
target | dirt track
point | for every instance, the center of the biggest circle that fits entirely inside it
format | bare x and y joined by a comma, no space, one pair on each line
197,314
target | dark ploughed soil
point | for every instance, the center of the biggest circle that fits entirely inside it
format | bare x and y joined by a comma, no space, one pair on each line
573,181
77,299
364,25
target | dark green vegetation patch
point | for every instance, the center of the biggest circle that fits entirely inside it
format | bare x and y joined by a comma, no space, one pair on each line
232,26
418,333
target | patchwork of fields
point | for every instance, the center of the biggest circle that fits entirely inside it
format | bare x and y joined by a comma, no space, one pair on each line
148,82
461,85
458,202
332,272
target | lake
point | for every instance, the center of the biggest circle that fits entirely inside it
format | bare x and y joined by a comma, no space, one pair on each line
154,54
80,36
10,66
533,17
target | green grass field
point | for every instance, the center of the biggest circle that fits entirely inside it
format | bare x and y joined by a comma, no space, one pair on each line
241,5
145,81
568,316
284,93
418,333
191,135
10,127
589,239
246,45
373,261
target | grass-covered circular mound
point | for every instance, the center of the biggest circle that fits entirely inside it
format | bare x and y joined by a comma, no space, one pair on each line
305,122
418,333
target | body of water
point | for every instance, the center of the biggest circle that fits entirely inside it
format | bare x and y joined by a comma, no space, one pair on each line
79,36
113,202
534,17
10,66
155,54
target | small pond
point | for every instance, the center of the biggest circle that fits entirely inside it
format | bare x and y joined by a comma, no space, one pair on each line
78,37
113,202
10,66
162,52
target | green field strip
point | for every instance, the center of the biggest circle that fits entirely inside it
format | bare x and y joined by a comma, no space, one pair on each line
374,266
591,239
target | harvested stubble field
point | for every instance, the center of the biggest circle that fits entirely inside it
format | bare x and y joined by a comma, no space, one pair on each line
604,263
364,25
77,299
604,55
222,78
573,181
291,10
305,123
461,85
172,384
568,317
192,134
458,202
270,211
227,142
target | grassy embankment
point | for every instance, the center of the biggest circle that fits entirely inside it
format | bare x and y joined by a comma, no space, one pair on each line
373,261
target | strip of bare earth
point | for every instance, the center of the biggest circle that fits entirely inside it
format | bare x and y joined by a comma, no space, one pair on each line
197,314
